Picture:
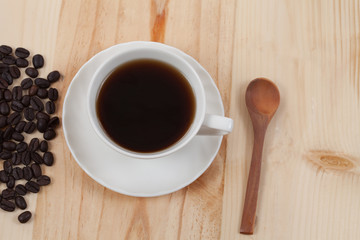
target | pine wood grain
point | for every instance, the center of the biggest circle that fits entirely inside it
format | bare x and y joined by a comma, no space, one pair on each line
310,183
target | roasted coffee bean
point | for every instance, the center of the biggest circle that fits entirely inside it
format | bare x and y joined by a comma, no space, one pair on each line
29,114
20,190
48,158
30,127
8,193
32,186
4,68
5,155
33,90
38,61
3,121
17,106
25,100
17,136
25,158
17,173
42,115
20,126
7,205
53,76
43,180
14,72
49,134
8,133
9,60
11,182
36,169
7,165
9,145
22,63
7,95
31,72
22,52
4,108
42,93
24,217
36,158
27,173
2,55
26,83
21,147
42,83
5,49
17,93
3,84
36,103
50,107
1,139
4,176
16,159
14,118
53,94
44,146
7,77
20,202
53,122
2,95
41,125
34,145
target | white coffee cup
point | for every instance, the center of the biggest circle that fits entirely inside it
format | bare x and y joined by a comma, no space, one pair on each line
202,124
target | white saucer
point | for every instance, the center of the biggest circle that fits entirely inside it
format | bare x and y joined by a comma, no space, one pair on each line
130,176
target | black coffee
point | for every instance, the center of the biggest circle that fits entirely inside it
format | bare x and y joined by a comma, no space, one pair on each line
145,105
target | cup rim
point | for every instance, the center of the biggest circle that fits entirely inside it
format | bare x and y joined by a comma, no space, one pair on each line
194,127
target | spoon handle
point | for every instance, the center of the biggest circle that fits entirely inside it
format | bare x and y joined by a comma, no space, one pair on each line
249,211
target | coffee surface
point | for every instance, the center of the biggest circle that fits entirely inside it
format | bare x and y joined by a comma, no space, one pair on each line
145,105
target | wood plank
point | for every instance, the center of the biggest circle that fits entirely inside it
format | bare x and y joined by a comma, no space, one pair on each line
37,32
311,50
310,181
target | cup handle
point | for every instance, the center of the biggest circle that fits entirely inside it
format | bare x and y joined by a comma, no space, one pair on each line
216,125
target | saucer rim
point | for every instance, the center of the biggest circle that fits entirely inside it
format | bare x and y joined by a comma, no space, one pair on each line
142,194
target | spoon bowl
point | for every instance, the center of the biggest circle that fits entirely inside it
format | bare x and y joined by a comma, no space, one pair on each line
262,96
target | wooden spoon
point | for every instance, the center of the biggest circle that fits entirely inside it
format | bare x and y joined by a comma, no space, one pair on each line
262,100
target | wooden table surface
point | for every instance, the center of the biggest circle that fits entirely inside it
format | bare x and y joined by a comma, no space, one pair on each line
310,183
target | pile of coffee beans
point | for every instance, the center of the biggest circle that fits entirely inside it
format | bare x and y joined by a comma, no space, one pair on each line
27,106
